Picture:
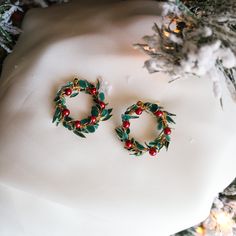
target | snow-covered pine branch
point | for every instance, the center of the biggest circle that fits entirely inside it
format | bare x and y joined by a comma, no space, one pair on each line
195,38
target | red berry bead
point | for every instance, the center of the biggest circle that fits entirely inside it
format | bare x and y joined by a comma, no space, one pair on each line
126,124
77,124
167,131
128,144
68,92
93,91
139,111
152,151
66,112
159,113
93,119
102,105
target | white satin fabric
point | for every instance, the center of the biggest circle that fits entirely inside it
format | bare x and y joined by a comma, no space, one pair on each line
54,183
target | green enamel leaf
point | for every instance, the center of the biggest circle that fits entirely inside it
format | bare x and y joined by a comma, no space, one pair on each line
101,96
136,153
95,111
104,113
166,144
131,108
98,85
119,132
139,145
153,107
67,125
57,98
57,115
107,117
157,141
109,111
67,118
147,104
90,85
96,126
83,83
127,117
160,124
74,94
68,84
170,114
169,119
84,121
59,92
91,129
139,153
61,101
84,130
152,144
125,136
168,138
79,134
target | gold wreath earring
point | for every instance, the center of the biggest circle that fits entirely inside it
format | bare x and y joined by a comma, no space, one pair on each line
99,112
163,119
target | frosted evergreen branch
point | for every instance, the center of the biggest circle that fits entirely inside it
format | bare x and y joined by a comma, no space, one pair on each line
7,9
198,38
7,30
42,3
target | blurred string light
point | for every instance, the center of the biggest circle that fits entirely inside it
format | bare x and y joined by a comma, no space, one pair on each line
222,217
189,32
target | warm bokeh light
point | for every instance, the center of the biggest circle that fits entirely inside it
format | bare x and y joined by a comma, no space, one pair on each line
166,33
176,30
223,220
200,230
147,48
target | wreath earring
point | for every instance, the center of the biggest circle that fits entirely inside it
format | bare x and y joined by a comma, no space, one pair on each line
163,120
99,112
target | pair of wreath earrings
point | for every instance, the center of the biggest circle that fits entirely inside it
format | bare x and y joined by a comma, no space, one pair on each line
100,112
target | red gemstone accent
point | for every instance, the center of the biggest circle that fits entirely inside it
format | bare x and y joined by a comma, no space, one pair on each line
66,112
102,105
152,151
68,92
167,131
93,119
93,91
159,113
128,144
77,124
139,111
126,124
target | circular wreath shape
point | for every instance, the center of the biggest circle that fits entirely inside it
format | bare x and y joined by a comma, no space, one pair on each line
98,110
163,120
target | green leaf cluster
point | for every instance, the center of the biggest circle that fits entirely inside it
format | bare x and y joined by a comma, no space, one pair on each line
106,114
122,134
57,117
